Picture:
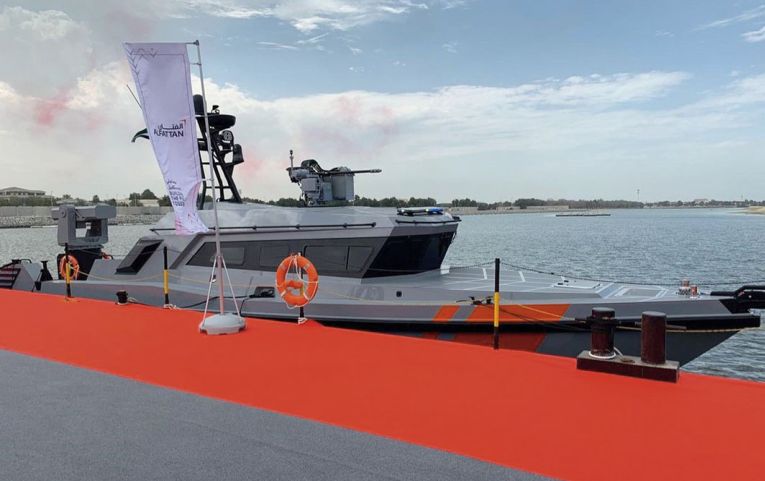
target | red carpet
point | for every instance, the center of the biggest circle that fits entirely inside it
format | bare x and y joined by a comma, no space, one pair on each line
522,410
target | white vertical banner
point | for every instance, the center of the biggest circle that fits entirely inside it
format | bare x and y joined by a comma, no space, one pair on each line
162,76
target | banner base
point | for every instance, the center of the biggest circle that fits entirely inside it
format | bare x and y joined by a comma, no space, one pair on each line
222,324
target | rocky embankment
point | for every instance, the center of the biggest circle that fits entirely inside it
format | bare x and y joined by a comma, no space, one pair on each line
33,221
20,216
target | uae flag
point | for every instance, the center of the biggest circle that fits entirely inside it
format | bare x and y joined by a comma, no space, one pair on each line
162,76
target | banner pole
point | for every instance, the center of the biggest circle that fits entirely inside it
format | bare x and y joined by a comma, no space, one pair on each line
218,257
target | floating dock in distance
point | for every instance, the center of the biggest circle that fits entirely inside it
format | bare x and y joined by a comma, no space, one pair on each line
584,214
372,406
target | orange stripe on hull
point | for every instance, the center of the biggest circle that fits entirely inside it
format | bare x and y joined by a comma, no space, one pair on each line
445,314
519,312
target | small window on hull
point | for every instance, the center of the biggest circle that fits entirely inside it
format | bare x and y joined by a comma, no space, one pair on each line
234,253
138,255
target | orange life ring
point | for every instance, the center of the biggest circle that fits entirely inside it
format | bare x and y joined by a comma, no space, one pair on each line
306,290
74,265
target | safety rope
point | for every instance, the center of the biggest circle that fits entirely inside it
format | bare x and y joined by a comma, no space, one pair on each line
504,309
704,283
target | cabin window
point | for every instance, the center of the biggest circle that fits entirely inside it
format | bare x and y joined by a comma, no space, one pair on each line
328,258
410,254
358,257
273,255
424,252
233,255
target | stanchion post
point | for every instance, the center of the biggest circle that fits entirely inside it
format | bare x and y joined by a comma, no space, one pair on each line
301,313
165,277
496,303
67,271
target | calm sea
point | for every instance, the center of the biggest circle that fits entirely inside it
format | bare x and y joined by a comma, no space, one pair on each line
707,246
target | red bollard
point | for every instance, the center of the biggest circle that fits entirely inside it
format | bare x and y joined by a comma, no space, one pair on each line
603,326
652,363
653,337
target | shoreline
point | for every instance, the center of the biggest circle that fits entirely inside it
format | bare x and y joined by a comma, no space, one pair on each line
563,209
30,221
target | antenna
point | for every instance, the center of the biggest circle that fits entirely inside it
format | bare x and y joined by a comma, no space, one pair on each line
136,98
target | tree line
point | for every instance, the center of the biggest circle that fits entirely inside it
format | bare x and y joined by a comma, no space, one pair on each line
522,203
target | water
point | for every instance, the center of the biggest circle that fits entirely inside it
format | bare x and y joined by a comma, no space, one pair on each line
707,246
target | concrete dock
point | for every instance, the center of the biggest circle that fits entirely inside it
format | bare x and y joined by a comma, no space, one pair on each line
92,390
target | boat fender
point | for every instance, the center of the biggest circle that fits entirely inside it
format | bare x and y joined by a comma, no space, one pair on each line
74,265
306,290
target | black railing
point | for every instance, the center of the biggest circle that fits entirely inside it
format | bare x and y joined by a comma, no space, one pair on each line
292,226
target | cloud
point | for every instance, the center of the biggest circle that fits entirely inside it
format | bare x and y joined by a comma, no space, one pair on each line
313,40
755,35
310,15
66,108
43,25
746,16
276,45
28,36
566,130
450,47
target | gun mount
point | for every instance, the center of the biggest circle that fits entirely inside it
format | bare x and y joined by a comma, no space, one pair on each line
222,143
83,231
94,219
319,186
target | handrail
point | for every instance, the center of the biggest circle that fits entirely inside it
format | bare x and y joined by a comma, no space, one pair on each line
294,226
739,291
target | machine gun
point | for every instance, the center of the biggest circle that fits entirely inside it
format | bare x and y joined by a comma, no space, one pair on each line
319,186
222,144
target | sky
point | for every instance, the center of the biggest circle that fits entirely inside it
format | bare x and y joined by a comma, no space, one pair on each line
493,100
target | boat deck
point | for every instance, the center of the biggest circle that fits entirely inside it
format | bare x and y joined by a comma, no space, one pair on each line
136,392
526,284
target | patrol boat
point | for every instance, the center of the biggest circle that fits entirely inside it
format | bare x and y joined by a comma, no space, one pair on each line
380,269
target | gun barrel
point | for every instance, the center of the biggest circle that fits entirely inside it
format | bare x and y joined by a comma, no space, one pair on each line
348,172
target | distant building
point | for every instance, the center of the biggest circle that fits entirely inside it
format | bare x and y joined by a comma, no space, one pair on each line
18,192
